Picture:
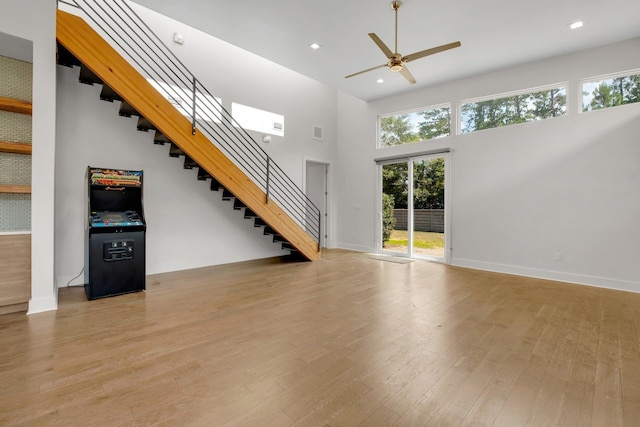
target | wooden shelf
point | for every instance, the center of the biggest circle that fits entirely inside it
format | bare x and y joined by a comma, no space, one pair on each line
15,189
15,147
15,106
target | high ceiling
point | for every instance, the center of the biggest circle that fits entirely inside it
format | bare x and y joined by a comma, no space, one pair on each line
494,34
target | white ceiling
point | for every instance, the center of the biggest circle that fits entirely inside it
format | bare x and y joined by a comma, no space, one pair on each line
494,34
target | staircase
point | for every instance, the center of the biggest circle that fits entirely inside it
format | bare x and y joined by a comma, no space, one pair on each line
210,142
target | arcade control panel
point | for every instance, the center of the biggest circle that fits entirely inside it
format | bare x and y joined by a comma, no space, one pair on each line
117,250
115,219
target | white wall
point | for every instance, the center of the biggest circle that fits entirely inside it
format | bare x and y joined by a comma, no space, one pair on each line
188,225
522,193
356,174
236,75
35,20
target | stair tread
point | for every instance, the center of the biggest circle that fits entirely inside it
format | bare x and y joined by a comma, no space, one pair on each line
127,110
215,185
88,77
108,94
189,163
160,138
203,175
144,124
175,151
66,58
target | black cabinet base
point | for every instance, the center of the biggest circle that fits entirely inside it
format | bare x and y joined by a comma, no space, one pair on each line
116,264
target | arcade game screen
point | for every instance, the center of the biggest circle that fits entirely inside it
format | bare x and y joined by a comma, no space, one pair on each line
115,219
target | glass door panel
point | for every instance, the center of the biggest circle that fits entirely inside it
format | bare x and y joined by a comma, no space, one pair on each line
395,212
428,207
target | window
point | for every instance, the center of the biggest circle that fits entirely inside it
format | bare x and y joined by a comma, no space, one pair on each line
611,92
415,126
208,108
258,120
509,110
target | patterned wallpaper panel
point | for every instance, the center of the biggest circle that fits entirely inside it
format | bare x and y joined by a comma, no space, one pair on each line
15,169
15,79
15,212
15,127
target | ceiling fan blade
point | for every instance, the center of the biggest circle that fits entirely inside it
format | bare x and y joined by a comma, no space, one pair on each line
431,51
383,47
365,71
407,75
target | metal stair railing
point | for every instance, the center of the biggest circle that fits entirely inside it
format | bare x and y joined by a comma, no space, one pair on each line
116,21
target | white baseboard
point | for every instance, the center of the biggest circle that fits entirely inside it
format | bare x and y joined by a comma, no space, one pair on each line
579,279
40,305
356,248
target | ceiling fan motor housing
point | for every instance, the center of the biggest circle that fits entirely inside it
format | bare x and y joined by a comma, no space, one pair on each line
396,63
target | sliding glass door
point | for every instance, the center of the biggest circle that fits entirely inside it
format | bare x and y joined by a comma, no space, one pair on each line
395,197
414,212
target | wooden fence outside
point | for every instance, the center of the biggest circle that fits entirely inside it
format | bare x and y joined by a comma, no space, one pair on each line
423,220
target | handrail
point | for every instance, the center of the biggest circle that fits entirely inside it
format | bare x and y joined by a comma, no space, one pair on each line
117,21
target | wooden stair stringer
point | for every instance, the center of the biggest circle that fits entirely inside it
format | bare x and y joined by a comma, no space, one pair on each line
75,35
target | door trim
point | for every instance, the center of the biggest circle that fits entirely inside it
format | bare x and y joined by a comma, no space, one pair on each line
327,236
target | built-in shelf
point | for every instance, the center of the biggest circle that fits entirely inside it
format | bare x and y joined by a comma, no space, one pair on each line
15,106
15,147
15,189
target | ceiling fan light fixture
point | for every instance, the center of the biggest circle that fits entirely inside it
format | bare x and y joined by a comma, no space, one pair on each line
395,68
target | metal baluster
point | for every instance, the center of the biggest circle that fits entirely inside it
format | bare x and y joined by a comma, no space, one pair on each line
193,119
268,170
319,229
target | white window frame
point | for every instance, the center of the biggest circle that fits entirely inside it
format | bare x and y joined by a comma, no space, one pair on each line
411,111
267,124
492,97
599,78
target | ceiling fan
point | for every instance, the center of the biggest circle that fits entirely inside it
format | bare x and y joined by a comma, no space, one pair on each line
396,61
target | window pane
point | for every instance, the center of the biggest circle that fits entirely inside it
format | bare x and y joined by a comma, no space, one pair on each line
395,195
510,110
258,120
416,126
612,92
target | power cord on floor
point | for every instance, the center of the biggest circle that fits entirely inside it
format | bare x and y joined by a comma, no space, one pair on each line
75,286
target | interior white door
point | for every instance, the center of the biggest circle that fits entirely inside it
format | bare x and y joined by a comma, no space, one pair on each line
317,191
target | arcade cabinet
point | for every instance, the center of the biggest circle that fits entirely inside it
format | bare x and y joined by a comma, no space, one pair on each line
115,244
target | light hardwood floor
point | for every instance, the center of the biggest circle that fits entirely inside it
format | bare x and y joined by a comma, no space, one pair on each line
343,341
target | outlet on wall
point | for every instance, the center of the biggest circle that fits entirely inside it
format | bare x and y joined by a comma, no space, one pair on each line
558,256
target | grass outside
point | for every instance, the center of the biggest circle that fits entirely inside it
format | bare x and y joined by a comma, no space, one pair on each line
421,239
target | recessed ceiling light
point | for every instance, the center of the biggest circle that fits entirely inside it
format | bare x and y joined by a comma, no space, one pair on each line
314,46
575,25
379,81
